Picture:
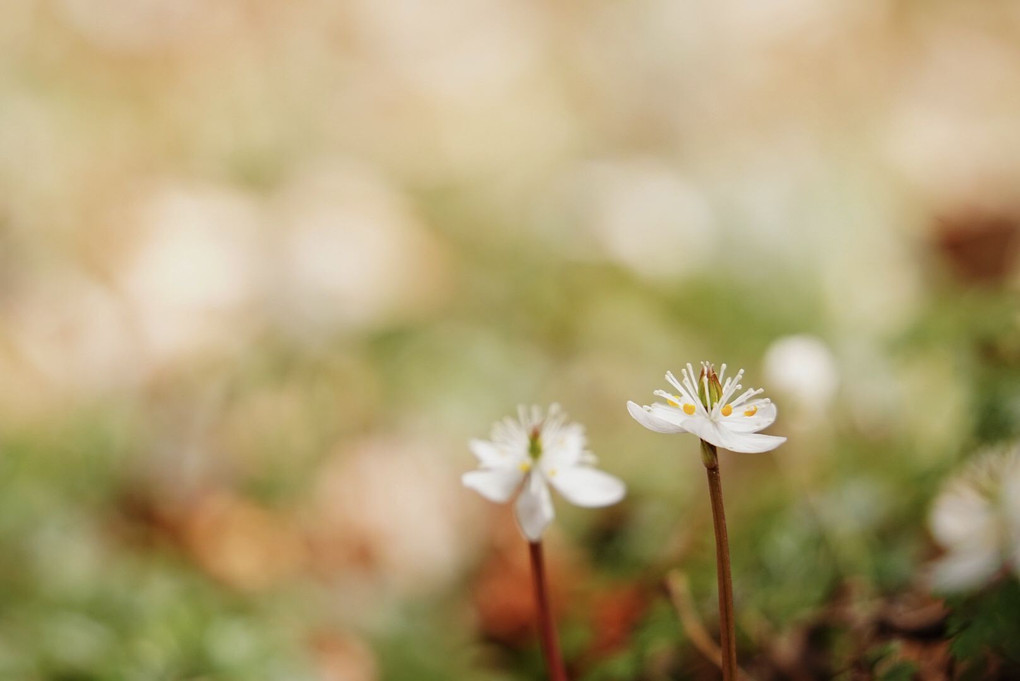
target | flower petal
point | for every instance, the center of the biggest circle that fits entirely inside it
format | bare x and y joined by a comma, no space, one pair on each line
755,443
495,484
583,486
489,455
534,509
653,421
961,517
964,570
564,446
720,436
764,416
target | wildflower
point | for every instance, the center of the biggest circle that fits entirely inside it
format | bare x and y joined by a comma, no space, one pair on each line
707,408
976,518
803,368
531,453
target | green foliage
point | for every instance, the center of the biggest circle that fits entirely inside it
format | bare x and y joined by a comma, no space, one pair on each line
899,671
986,623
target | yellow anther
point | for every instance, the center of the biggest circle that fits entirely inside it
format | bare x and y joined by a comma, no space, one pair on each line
525,466
689,409
727,410
672,403
751,412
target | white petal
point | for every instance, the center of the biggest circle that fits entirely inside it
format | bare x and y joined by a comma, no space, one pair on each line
720,436
587,487
764,417
651,421
1011,500
964,570
963,517
703,427
495,484
490,455
534,507
751,443
671,414
565,447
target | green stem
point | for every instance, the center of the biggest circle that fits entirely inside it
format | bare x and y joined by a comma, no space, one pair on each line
546,628
727,630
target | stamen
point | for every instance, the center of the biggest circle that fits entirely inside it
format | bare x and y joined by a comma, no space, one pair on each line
731,386
691,382
525,466
727,410
689,409
671,399
751,412
756,404
748,394
688,387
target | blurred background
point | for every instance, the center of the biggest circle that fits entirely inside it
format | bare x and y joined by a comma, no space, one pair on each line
265,267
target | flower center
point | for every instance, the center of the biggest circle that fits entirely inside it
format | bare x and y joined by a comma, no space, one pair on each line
535,443
709,387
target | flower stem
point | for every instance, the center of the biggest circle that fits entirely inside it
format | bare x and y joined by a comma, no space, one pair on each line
727,631
546,628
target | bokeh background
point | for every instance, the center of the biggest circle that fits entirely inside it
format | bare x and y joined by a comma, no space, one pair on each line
265,267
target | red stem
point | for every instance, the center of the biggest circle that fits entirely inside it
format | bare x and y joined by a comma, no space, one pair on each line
727,631
546,628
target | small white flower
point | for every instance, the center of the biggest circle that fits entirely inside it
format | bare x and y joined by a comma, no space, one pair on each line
706,407
803,368
976,518
538,450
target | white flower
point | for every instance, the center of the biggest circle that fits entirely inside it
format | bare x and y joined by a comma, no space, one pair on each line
538,450
803,368
711,412
976,519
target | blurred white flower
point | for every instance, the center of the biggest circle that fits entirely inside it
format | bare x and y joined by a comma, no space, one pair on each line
646,217
802,368
976,518
353,253
703,406
194,276
73,333
539,450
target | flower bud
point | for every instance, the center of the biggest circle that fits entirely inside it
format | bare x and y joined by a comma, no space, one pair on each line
714,387
535,442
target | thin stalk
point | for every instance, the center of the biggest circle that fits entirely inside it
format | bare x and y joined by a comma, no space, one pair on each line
546,628
727,630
